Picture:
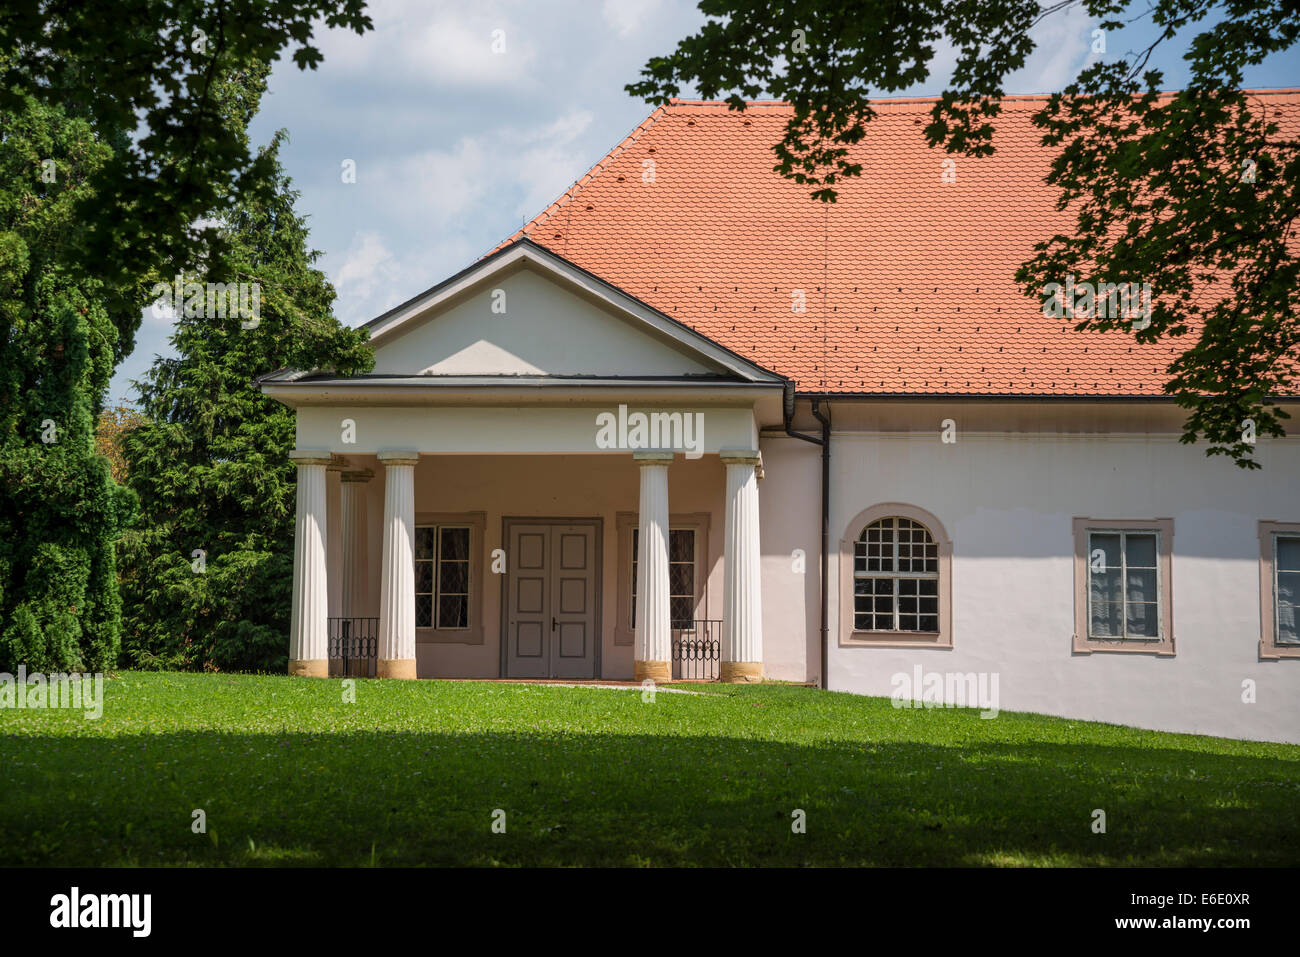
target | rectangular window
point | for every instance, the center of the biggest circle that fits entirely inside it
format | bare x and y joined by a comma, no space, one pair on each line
1286,589
442,576
681,576
1123,587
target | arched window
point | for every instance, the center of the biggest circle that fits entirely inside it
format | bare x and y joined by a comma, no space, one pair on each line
896,577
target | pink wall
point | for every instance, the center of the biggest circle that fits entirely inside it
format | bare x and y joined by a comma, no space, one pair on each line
532,486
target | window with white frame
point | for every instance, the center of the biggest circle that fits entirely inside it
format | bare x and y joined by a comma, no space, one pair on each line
896,577
1124,585
1286,590
442,576
681,576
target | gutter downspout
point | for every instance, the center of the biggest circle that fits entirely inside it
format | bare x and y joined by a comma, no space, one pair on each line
825,443
826,526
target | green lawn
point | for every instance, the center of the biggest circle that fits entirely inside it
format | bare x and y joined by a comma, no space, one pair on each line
288,773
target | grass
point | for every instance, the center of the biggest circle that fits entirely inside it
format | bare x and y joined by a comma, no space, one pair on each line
288,773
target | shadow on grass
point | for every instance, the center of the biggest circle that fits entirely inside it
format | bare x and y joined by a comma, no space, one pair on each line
407,798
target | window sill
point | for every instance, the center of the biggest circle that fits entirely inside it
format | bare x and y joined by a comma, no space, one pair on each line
432,636
895,639
1161,648
1275,652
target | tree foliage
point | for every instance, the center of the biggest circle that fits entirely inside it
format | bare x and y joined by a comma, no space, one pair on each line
59,508
144,73
1196,193
207,574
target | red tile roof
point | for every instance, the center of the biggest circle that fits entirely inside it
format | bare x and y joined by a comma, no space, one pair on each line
908,280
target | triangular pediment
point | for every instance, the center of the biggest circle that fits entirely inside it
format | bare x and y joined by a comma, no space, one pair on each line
526,312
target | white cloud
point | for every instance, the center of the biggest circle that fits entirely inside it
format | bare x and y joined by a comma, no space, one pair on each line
1063,48
368,274
440,189
627,16
448,45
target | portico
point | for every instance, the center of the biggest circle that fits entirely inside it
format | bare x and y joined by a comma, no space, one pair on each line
568,491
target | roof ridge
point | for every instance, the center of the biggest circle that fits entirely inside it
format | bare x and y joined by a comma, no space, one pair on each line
598,167
1008,98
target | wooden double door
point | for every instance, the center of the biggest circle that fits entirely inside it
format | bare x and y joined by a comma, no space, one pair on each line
552,597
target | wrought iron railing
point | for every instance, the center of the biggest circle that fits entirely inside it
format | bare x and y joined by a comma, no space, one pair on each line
697,649
354,646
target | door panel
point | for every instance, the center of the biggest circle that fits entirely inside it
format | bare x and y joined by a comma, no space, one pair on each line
528,613
551,610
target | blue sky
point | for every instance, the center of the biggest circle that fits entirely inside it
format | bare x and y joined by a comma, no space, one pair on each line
456,145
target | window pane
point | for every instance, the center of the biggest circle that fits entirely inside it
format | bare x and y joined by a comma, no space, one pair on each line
1288,624
423,611
681,580
453,577
424,541
453,611
1105,586
1141,585
1107,619
859,556
1140,550
1288,606
1143,620
423,577
682,611
455,544
1103,551
929,623
1288,554
681,545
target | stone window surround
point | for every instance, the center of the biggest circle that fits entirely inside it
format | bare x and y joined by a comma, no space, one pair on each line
478,571
1082,644
624,522
849,636
1269,649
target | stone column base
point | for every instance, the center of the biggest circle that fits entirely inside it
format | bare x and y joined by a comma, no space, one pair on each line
309,667
660,672
740,671
395,668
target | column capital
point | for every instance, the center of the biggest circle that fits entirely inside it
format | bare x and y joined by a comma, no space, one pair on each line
310,456
398,457
653,457
741,457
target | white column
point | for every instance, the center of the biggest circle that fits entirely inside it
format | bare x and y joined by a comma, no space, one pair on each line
309,613
653,651
397,574
742,607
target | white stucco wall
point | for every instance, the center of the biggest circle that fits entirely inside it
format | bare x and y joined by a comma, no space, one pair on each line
544,329
1007,500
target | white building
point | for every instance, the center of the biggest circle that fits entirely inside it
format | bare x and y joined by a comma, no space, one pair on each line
598,453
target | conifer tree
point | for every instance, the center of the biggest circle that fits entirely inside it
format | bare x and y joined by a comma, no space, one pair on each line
60,510
208,570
